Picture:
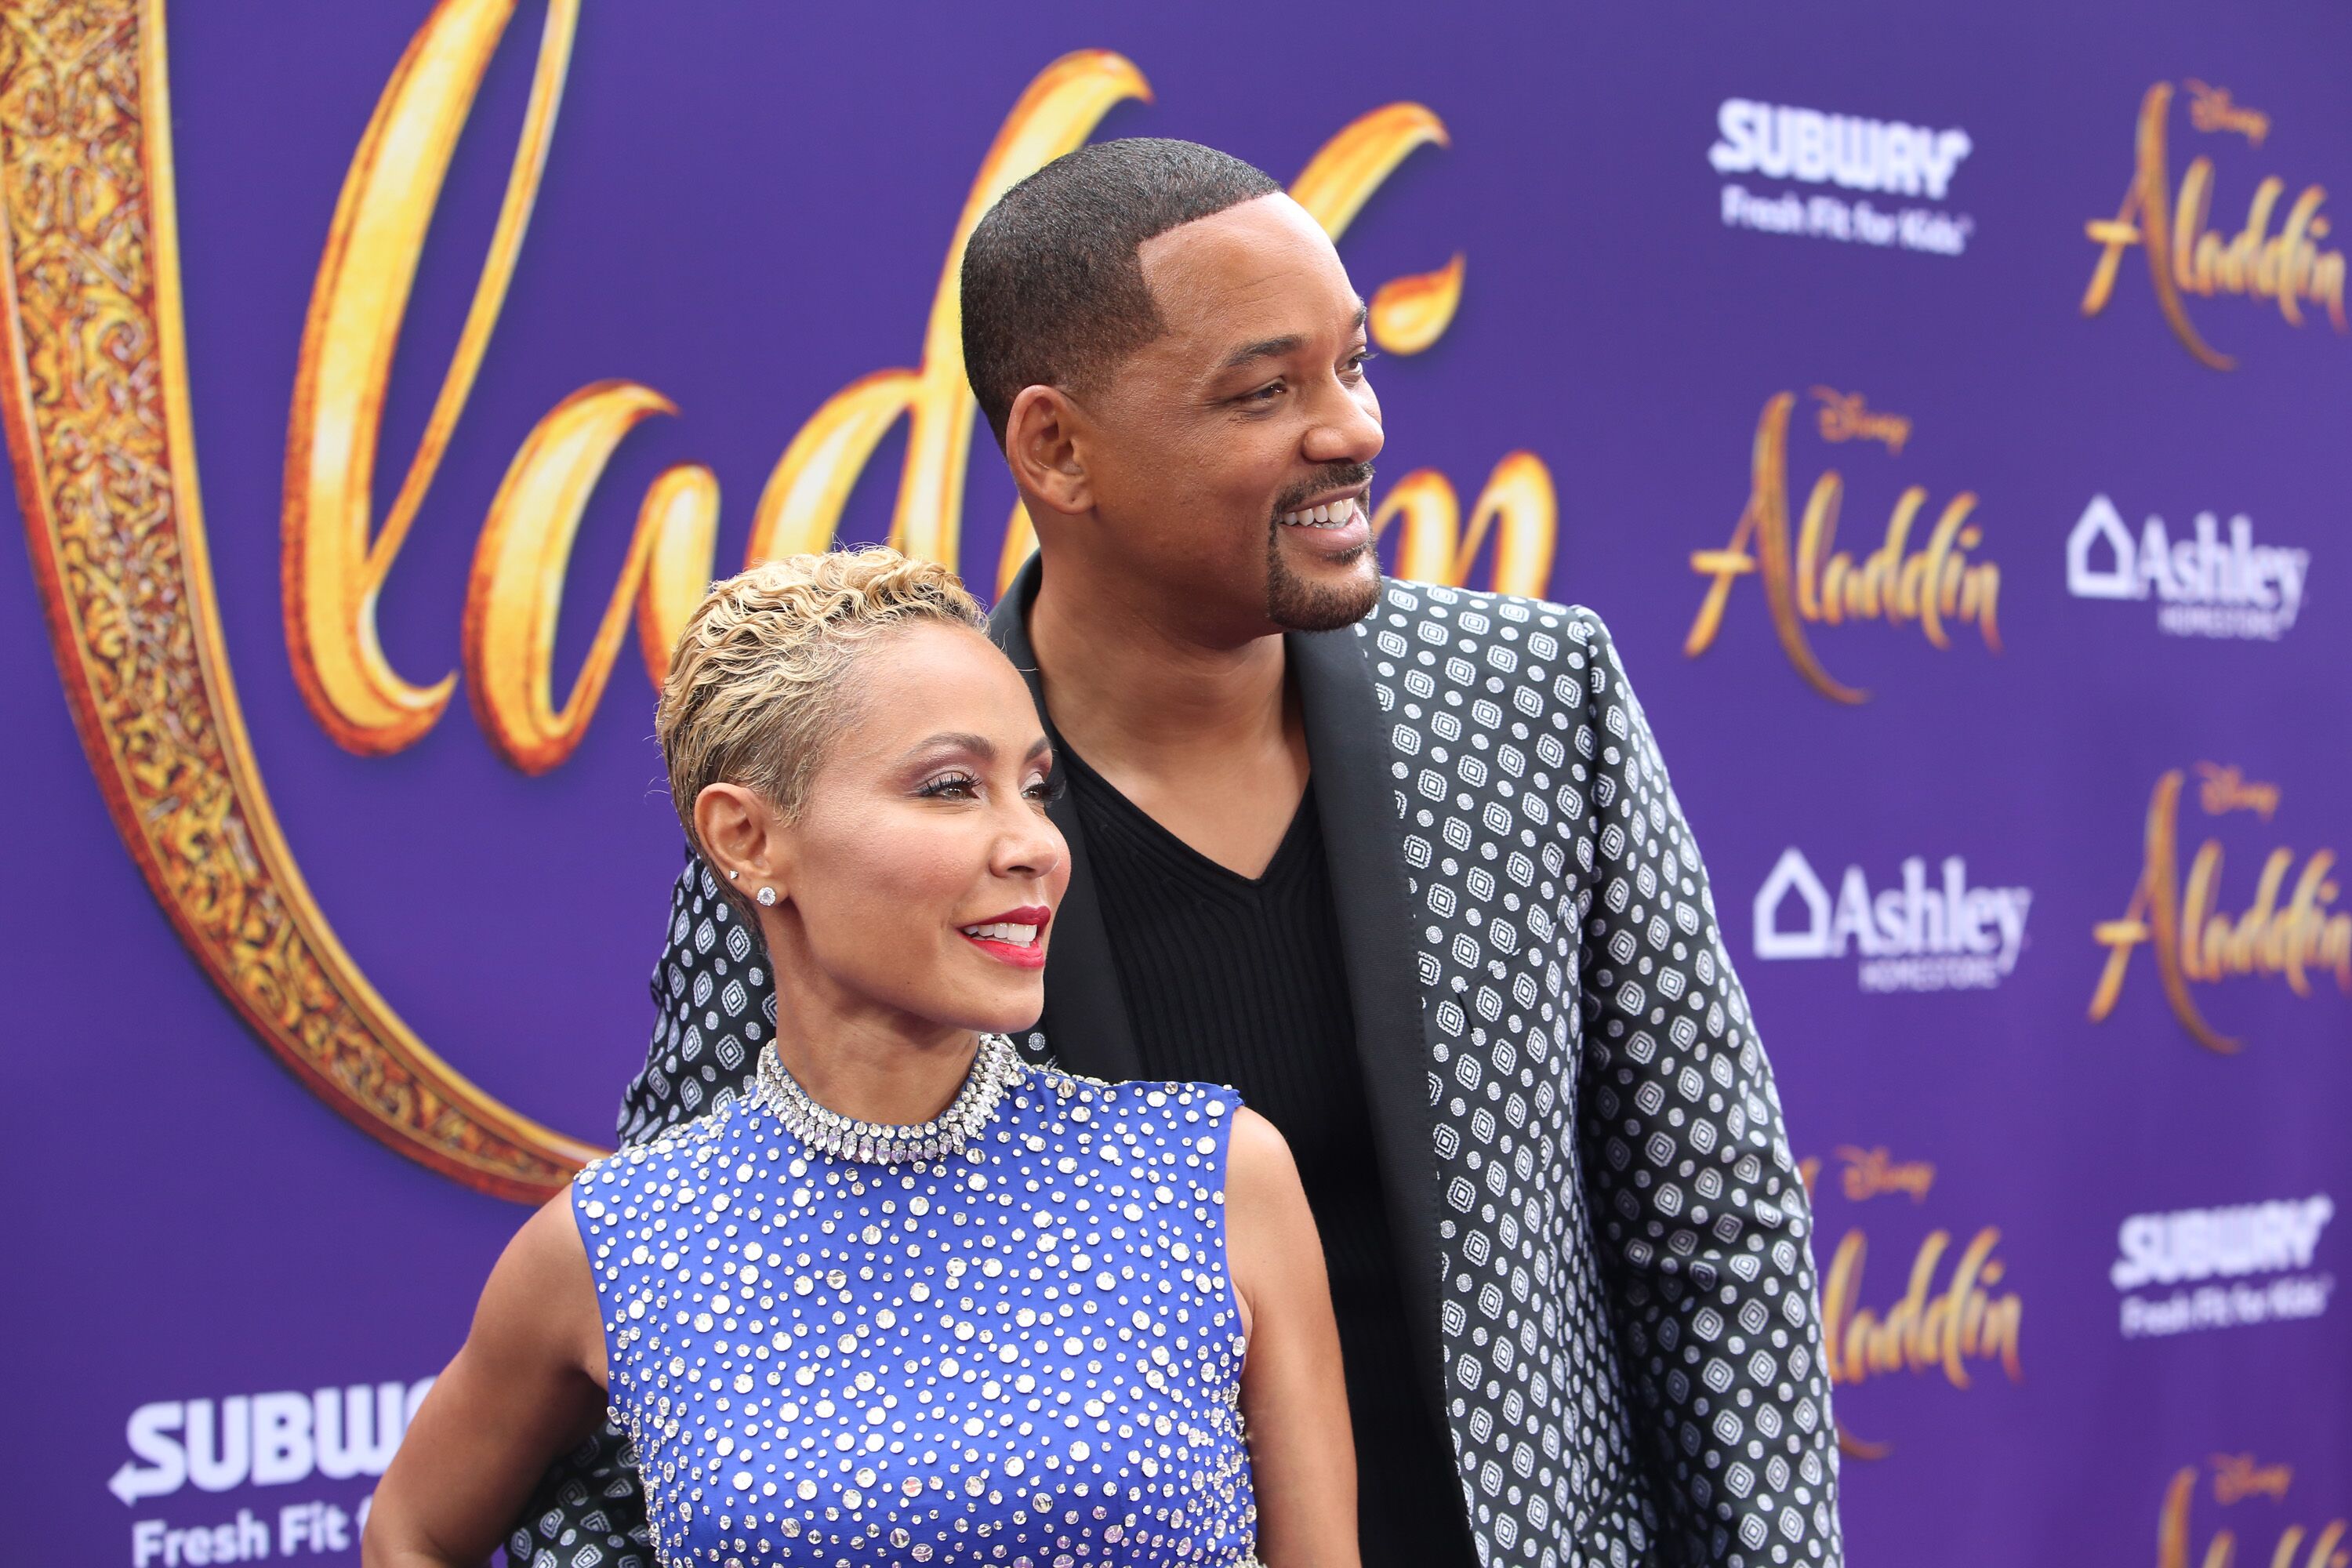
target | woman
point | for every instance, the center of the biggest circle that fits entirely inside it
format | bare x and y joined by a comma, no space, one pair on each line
913,1301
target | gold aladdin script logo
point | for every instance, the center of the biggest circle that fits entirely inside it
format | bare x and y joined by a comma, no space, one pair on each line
94,384
2288,264
1929,581
1951,1313
2236,1477
337,559
2290,927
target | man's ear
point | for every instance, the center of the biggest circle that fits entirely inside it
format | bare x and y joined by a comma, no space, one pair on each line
1044,437
742,838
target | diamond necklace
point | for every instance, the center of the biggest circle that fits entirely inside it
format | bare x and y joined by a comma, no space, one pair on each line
994,1068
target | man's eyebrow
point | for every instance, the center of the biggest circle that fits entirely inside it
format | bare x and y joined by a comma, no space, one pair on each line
1275,348
1265,348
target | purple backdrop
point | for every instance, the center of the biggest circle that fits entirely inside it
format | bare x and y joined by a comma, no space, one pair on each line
2115,1240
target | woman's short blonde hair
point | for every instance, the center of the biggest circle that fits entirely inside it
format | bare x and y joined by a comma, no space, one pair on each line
758,678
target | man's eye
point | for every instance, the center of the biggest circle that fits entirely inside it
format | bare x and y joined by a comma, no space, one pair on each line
1266,394
1356,361
950,786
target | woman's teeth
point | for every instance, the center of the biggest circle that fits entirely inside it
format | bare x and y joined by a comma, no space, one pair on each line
1330,516
1003,931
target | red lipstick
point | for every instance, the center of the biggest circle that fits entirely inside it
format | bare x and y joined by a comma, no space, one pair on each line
1016,937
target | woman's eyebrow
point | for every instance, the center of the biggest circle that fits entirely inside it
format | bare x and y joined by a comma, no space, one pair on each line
979,746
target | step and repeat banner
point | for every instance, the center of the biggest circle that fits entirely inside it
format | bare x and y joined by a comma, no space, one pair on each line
1947,410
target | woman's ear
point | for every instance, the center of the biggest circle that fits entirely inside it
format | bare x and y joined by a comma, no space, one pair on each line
740,834
1044,437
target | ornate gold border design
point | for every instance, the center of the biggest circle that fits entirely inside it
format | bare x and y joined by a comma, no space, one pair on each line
93,385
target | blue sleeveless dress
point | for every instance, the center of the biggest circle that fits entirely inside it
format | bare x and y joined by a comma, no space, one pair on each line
1025,1355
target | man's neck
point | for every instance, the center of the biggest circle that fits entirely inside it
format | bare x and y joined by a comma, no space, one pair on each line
1199,730
1127,684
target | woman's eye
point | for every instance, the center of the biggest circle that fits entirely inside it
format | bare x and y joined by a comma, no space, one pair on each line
950,786
1044,789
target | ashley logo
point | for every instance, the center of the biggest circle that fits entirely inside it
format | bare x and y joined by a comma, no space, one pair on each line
1919,935
2206,586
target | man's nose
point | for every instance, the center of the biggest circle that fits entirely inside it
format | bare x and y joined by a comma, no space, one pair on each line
1348,429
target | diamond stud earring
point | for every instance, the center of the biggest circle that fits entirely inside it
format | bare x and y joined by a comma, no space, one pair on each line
732,875
768,896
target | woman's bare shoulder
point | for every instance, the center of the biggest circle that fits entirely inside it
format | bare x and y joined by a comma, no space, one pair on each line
542,1294
1259,1168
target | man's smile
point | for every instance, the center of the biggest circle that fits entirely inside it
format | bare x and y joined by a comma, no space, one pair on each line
1341,522
1336,514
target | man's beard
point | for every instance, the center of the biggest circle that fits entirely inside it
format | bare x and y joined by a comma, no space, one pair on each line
1299,606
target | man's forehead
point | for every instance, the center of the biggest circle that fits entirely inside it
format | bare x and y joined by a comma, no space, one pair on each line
1261,269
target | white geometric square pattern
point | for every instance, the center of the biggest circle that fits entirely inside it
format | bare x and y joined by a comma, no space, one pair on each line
1657,1393
1632,1341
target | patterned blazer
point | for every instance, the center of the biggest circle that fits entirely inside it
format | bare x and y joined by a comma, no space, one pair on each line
1609,1264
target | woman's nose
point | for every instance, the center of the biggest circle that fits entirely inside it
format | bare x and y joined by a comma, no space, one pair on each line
1031,849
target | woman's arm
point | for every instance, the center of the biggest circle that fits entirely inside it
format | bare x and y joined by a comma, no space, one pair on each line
528,1384
1293,1400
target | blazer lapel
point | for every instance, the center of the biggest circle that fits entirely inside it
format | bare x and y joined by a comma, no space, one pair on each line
1085,1022
1347,739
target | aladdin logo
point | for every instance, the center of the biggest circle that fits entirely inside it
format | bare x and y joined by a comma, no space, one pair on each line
2288,929
2237,1476
1933,584
264,1439
2190,1246
1920,936
1952,1313
1888,157
1870,1171
337,555
2213,109
2207,588
1848,416
158,711
2185,258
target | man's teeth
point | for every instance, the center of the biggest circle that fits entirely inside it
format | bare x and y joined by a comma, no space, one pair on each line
1005,931
1331,516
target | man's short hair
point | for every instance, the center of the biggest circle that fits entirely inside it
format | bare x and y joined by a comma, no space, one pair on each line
1053,288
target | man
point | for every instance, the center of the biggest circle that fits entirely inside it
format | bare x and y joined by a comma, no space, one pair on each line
1401,864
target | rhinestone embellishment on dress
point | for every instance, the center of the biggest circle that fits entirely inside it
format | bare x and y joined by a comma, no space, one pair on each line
1028,1352
994,1067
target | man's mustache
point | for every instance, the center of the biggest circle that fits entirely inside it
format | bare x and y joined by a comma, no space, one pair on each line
1339,477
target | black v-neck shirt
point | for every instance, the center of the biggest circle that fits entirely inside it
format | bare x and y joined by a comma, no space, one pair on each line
1239,981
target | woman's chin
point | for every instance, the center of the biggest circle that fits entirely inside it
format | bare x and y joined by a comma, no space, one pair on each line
1009,1014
